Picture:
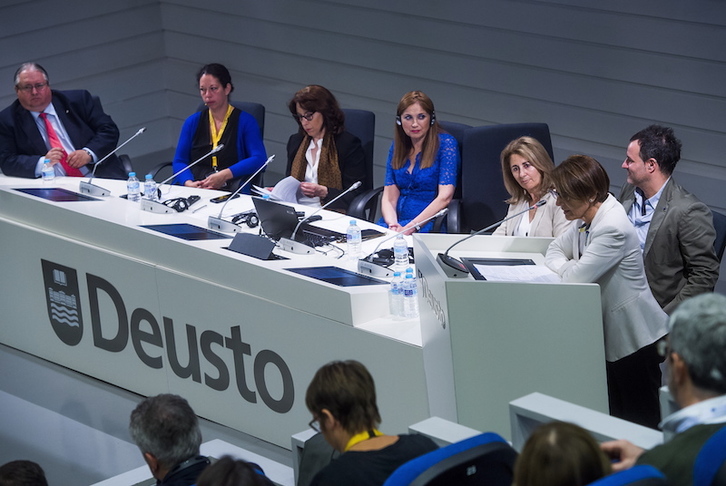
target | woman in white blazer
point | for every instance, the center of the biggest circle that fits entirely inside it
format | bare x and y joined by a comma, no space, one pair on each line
603,248
527,168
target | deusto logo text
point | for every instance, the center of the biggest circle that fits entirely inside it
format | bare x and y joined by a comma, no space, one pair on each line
64,311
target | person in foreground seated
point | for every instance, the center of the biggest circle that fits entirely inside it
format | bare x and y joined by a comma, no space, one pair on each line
342,400
527,170
233,472
560,454
696,360
602,247
67,127
22,473
421,169
166,429
218,123
675,229
322,155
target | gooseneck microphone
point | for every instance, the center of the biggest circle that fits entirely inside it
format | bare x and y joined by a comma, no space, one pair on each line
289,244
367,266
87,188
453,267
225,226
156,206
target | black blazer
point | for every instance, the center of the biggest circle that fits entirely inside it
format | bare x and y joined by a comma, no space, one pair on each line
351,160
21,143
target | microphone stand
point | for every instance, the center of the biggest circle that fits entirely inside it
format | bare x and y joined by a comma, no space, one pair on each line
289,244
225,226
93,190
156,206
453,267
367,266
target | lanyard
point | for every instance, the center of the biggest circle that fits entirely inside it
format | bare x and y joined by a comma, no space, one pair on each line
217,136
360,437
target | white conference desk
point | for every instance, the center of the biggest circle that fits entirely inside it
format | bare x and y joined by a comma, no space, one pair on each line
241,338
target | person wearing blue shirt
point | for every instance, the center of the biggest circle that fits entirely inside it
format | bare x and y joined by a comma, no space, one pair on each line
218,124
422,166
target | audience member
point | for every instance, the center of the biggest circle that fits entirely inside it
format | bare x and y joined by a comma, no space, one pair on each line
527,171
675,229
233,472
342,400
603,248
67,127
166,430
421,169
219,123
322,155
560,454
696,361
22,473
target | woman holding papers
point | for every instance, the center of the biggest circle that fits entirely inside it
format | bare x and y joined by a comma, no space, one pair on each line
527,170
218,123
602,247
322,155
422,166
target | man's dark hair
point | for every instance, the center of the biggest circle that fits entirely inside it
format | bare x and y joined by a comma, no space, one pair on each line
659,143
166,427
22,473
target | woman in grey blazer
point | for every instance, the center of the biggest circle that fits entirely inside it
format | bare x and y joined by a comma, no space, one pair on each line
603,248
527,169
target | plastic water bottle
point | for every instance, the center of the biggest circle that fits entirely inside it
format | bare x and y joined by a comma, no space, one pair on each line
400,253
150,188
410,296
395,296
133,188
354,240
47,171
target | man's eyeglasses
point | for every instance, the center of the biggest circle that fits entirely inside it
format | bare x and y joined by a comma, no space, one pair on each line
315,425
31,87
308,116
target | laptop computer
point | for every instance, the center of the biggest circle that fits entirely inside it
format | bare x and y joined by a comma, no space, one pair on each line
277,220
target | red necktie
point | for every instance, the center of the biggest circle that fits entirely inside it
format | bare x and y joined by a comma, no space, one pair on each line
55,142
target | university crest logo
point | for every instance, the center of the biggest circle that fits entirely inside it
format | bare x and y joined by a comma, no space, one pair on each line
64,305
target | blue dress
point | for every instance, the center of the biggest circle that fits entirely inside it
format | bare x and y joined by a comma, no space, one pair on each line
420,187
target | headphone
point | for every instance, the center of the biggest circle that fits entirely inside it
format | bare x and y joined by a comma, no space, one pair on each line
249,218
433,118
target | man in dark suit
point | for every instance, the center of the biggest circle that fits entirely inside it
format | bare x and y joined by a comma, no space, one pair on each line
675,229
80,134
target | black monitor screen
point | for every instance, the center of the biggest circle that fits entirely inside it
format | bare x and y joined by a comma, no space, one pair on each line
338,276
57,194
186,231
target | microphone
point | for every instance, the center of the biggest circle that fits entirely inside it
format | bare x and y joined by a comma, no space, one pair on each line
453,267
156,206
367,266
91,189
289,244
225,226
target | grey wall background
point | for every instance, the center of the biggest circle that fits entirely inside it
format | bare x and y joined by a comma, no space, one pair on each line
596,72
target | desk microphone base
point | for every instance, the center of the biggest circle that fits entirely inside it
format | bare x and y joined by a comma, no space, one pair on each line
219,224
296,247
155,207
373,269
93,190
452,267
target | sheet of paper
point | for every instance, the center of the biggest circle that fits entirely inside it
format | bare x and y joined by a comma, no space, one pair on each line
518,273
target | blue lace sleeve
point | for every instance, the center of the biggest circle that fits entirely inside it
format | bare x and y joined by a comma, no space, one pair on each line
390,178
449,159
